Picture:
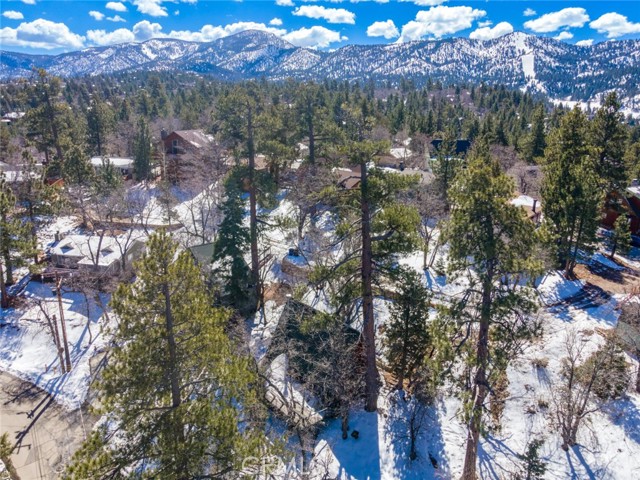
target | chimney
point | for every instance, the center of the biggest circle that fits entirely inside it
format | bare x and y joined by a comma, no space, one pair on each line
535,202
163,134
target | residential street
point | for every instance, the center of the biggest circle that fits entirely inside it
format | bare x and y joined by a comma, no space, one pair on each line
44,432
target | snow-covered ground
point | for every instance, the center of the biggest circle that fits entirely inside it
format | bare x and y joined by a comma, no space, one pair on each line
27,349
609,442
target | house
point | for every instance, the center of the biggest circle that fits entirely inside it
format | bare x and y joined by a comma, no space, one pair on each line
123,164
531,206
294,355
203,255
101,253
349,178
182,141
627,204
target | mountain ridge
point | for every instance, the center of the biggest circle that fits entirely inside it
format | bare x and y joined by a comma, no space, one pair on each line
517,60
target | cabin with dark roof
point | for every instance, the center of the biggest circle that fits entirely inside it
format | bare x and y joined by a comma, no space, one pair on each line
301,339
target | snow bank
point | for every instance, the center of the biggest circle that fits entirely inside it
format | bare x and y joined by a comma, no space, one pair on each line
27,349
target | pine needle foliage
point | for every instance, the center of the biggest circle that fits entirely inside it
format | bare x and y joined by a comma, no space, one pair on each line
178,401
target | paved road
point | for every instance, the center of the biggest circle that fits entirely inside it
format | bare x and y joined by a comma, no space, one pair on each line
45,434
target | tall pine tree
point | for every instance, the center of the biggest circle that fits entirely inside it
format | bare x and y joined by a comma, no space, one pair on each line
571,195
178,399
492,243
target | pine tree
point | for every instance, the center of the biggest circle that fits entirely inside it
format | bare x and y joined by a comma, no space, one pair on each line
142,151
230,246
77,169
407,336
493,244
100,122
15,241
238,112
621,238
45,118
571,193
177,398
535,142
35,195
608,137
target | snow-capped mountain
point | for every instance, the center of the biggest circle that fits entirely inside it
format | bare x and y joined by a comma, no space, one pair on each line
517,60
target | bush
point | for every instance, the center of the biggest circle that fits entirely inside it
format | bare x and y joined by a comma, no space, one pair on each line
613,374
533,468
540,363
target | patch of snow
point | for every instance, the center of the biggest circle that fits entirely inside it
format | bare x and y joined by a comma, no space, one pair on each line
27,348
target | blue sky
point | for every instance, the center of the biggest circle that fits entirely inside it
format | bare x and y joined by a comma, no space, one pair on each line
55,26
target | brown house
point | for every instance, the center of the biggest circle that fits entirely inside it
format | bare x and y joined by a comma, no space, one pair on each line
627,204
184,141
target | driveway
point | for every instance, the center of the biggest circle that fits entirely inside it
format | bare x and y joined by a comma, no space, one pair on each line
45,435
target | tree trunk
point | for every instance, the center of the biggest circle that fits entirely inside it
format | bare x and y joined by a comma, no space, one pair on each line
4,301
638,377
312,143
368,327
173,356
480,384
345,423
613,249
63,327
53,325
253,213
403,360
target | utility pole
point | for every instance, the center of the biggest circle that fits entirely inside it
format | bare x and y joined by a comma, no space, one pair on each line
62,325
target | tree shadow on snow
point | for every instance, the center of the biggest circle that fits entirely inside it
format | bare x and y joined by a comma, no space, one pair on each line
625,414
488,467
431,461
359,458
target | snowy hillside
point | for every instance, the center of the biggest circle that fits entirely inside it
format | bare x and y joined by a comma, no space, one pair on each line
517,60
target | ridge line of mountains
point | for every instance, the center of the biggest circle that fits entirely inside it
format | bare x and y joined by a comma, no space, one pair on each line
517,60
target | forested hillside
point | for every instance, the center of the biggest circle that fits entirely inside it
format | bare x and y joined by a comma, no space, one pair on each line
297,279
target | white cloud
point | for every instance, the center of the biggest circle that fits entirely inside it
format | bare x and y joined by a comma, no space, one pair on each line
563,36
426,3
276,22
146,30
315,37
97,15
529,12
102,38
29,2
554,21
440,21
116,18
377,1
614,25
41,33
116,6
13,15
284,3
331,15
151,7
488,33
585,43
385,29
209,33
486,23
